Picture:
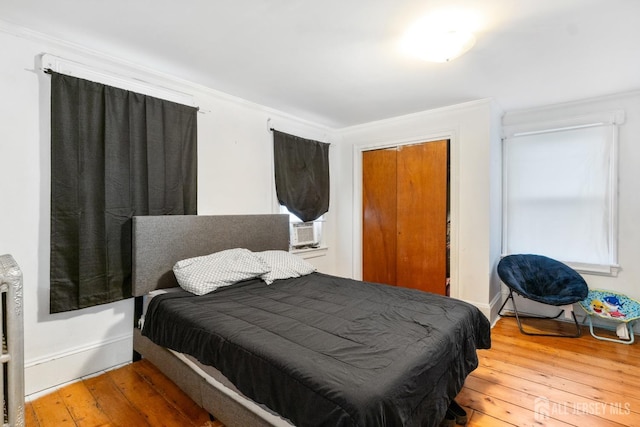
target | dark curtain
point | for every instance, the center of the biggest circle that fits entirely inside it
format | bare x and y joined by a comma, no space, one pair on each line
114,154
302,175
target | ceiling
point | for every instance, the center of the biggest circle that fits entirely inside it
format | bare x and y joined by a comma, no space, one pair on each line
337,62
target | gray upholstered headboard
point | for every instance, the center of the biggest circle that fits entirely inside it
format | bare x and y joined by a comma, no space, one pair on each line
160,241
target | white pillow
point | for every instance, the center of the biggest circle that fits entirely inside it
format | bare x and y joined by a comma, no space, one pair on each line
204,274
284,265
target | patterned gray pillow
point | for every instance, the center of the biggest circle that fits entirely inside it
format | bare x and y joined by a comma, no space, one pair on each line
284,265
204,274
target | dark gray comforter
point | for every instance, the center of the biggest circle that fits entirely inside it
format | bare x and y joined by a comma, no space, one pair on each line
327,351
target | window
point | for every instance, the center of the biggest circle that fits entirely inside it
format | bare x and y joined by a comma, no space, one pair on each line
559,193
301,173
114,154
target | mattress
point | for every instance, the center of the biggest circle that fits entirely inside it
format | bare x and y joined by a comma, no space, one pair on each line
324,350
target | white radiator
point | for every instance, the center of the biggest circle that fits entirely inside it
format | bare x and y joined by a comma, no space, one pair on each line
12,357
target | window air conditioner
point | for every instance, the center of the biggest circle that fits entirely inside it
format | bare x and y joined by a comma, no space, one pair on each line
304,234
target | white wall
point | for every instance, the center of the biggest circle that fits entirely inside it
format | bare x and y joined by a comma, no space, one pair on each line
628,277
235,175
475,188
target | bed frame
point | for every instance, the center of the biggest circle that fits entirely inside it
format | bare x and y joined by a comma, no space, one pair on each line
158,243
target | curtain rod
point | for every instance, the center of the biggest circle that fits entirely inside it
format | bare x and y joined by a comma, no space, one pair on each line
48,70
273,129
125,78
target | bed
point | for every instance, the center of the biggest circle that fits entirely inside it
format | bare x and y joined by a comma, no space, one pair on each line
310,350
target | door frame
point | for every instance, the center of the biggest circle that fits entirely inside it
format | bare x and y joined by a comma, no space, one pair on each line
454,186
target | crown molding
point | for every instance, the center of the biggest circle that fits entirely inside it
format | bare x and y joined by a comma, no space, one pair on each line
124,67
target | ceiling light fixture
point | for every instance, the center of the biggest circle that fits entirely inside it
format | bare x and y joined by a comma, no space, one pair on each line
440,36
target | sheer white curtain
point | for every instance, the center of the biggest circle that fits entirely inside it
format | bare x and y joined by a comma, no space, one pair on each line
559,194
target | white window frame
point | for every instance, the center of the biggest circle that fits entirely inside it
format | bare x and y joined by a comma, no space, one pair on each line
530,124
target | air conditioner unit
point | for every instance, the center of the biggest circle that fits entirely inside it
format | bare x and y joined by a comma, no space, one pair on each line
304,234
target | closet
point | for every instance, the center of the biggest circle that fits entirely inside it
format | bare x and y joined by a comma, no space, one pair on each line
405,198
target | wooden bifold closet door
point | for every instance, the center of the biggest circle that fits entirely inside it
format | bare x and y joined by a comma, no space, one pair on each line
405,193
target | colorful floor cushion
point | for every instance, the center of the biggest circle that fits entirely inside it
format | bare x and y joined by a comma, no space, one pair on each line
611,305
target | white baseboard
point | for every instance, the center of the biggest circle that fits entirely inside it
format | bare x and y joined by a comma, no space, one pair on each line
489,310
494,306
50,372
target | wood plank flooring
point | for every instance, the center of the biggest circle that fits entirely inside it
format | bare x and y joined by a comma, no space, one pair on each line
136,395
548,381
521,381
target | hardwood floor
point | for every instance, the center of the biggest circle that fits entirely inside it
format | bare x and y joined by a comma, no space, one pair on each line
135,395
547,381
521,381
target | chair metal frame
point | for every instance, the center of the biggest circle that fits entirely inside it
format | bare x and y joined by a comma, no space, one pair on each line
519,316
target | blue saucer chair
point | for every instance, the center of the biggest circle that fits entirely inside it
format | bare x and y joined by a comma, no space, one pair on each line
544,280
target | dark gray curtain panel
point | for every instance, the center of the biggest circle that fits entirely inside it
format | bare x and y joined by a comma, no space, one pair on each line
302,175
114,154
